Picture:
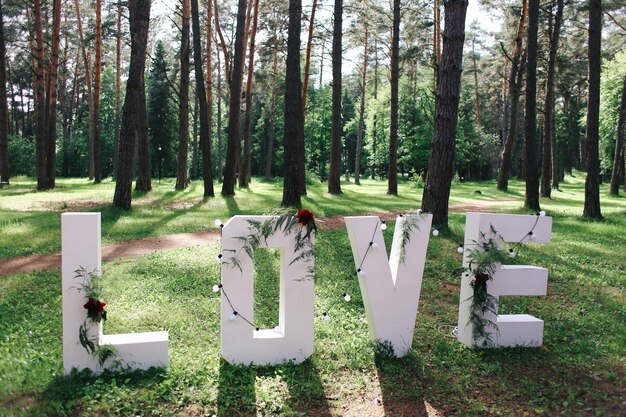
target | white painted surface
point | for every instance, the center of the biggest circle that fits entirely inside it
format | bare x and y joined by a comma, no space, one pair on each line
81,247
519,280
292,340
390,288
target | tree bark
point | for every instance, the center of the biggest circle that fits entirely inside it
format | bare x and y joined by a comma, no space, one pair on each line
218,29
618,160
294,131
220,148
307,61
139,17
359,137
4,111
234,114
90,93
334,175
194,153
436,42
514,93
592,182
392,187
97,146
549,167
40,107
205,138
441,163
209,89
531,173
144,173
118,84
271,129
244,178
63,102
183,100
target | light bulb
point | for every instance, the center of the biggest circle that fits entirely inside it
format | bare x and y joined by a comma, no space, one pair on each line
217,222
435,232
542,213
219,257
233,316
383,226
460,249
374,245
216,288
419,211
347,297
532,236
512,253
326,317
360,272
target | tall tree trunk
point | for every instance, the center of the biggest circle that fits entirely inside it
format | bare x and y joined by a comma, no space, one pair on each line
144,173
392,187
220,148
531,173
90,93
205,138
183,101
40,106
477,97
514,93
294,131
554,46
194,154
307,61
63,101
359,137
618,160
592,182
436,43
271,129
234,114
139,17
244,178
441,164
97,145
118,83
51,148
334,175
4,111
209,86
549,166
218,29
375,130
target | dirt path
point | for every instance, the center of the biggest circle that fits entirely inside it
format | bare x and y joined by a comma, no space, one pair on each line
140,247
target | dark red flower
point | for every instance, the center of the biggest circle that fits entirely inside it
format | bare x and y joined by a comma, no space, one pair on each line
95,308
305,217
481,279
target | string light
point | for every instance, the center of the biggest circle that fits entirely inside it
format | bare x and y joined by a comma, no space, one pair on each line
217,287
383,225
347,297
460,249
374,245
233,316
435,232
218,223
219,257
419,211
512,253
360,272
326,316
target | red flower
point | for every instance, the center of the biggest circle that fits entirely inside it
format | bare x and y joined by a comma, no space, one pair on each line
305,217
95,308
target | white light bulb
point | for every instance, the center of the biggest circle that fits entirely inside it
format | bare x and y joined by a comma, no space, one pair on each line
219,257
233,316
419,211
383,226
512,253
435,232
347,297
216,288
532,236
460,249
374,245
217,222
326,317
542,213
361,272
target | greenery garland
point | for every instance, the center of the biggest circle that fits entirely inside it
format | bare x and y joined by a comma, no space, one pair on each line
303,222
411,222
91,286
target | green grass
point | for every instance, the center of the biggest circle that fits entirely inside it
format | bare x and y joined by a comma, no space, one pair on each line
579,371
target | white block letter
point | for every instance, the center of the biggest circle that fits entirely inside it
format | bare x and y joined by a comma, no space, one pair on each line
292,340
80,242
390,287
512,329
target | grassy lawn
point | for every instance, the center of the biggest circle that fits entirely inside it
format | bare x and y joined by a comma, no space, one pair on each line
580,370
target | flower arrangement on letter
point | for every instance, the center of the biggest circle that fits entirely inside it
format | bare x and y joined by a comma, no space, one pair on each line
302,225
91,286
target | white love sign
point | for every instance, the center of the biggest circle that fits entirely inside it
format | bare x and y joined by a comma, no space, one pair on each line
81,248
512,329
292,339
390,286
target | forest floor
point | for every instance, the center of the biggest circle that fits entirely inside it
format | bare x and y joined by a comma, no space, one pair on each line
145,246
